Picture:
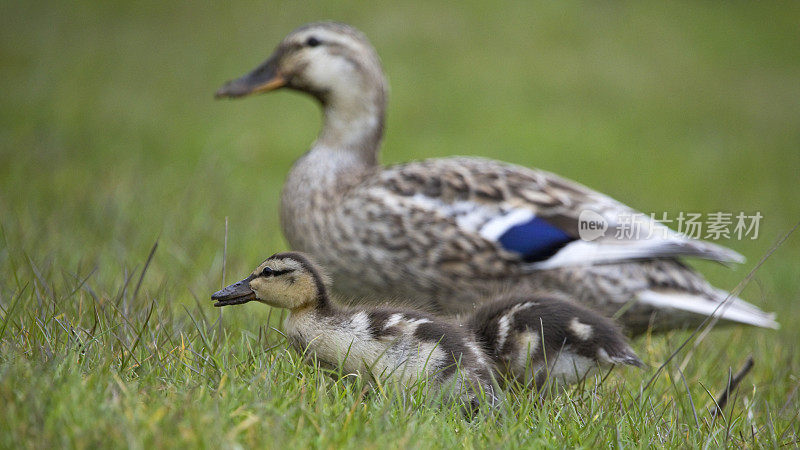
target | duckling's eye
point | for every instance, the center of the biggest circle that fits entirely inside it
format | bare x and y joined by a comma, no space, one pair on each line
313,42
266,272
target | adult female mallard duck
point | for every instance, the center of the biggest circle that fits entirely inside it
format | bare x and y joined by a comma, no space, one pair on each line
451,232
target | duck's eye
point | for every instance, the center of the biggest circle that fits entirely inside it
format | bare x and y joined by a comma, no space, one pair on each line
266,272
313,42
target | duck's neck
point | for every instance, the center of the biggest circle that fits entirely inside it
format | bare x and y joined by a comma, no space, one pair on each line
345,152
353,121
321,302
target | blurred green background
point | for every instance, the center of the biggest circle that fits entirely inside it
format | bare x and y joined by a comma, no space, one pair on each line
110,138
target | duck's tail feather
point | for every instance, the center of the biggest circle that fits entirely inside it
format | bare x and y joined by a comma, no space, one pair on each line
733,309
581,252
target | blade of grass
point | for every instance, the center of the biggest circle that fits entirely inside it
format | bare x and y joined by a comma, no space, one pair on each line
144,270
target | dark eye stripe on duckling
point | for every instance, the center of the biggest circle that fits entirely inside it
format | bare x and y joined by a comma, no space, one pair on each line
267,272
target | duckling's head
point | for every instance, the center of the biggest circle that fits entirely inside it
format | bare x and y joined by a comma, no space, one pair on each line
285,280
327,60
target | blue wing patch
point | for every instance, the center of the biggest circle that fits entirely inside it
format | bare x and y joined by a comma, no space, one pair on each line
535,239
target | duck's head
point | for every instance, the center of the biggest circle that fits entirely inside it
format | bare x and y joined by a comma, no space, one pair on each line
285,280
328,60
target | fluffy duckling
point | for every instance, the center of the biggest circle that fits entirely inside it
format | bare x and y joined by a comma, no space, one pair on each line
387,344
531,338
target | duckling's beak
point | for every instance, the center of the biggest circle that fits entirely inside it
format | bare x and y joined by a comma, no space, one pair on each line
235,294
263,78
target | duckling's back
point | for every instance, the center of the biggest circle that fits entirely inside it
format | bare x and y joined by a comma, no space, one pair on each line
396,346
531,338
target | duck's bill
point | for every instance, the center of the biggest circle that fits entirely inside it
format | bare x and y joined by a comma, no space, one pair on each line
263,78
235,294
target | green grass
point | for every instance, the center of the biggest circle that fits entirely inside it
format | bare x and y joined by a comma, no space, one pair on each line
110,141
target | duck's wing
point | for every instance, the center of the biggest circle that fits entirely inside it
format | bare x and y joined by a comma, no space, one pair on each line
534,217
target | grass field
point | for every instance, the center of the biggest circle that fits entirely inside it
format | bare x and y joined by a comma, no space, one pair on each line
110,141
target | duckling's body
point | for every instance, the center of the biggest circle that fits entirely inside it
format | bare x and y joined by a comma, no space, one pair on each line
450,232
388,345
531,338
394,345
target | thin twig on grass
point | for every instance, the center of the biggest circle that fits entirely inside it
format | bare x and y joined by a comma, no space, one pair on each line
733,383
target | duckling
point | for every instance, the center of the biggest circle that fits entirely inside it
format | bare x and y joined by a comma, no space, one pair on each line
532,338
450,232
397,346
